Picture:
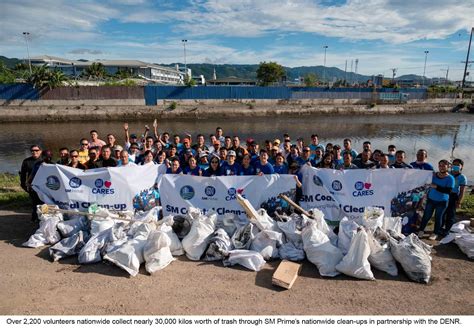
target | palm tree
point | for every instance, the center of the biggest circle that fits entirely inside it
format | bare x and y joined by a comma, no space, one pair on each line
95,71
56,79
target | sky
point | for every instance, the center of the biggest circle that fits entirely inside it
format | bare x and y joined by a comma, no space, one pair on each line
381,34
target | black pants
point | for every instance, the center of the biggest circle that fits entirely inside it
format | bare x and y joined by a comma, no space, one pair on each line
35,201
450,215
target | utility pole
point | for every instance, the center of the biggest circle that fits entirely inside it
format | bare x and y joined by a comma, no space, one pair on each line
394,73
345,74
324,67
446,79
424,69
27,34
467,62
355,70
352,63
184,41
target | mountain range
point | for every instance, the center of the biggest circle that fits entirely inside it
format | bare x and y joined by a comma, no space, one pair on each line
249,71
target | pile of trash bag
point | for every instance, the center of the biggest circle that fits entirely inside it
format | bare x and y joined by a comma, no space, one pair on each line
374,241
462,234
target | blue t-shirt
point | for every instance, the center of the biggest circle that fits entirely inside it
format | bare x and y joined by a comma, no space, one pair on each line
313,147
282,170
422,166
267,169
302,161
249,171
459,180
230,170
192,172
352,152
179,171
436,195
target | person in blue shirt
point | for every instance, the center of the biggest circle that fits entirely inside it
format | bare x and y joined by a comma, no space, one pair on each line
230,167
457,194
192,168
305,156
348,148
214,167
246,169
400,161
420,163
315,143
174,167
280,166
438,196
263,167
203,161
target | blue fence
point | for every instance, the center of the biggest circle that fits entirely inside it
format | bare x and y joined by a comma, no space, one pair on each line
10,92
154,93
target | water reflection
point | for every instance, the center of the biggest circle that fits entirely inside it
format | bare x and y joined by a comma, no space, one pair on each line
434,132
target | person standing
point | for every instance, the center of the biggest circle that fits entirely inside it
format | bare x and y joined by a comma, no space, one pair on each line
438,196
25,173
420,163
95,141
457,194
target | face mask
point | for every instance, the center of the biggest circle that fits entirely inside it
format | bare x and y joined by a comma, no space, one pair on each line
456,168
391,153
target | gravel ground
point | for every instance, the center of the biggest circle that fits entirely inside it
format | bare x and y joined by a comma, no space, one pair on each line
30,284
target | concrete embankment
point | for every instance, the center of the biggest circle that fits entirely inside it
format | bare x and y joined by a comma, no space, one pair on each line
130,109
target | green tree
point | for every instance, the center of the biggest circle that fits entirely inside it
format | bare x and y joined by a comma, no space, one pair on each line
56,79
41,77
6,75
268,73
95,71
310,80
189,82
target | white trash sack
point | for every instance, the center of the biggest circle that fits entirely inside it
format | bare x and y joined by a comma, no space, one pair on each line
95,247
156,252
320,251
321,225
196,241
292,229
47,232
372,218
74,224
413,256
392,223
356,263
347,229
219,246
129,255
266,243
462,237
176,246
247,258
290,252
243,236
380,256
68,246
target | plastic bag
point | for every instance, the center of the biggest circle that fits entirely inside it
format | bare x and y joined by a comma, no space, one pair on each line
356,263
243,236
266,221
228,223
321,224
196,241
156,252
247,258
94,248
176,246
266,243
290,252
392,223
129,255
101,224
292,229
465,242
219,246
380,256
414,259
347,229
47,232
70,227
320,251
372,218
149,215
181,226
68,246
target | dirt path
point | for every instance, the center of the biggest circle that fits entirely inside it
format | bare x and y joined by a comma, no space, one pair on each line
31,284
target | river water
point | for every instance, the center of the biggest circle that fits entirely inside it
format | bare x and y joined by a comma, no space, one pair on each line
448,136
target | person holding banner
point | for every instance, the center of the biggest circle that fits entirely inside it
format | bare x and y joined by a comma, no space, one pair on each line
347,164
438,196
246,169
263,167
192,168
174,167
214,168
230,167
74,155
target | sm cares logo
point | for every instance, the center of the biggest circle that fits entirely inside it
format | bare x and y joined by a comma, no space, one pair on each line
362,189
103,187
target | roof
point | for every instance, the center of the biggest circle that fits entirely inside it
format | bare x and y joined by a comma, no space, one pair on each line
231,80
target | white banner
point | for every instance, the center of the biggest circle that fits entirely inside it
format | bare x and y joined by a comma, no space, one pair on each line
346,193
111,188
179,192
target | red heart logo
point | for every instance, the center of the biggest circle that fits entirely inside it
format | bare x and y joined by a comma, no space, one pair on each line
367,185
107,184
240,190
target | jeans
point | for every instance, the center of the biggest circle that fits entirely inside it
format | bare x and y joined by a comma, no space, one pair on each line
450,217
434,206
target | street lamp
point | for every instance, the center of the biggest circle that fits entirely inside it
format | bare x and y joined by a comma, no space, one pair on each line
184,41
324,68
27,34
424,69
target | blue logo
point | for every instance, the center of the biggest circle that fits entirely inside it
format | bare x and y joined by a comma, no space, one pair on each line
99,183
336,185
53,183
210,190
187,192
359,186
317,181
232,191
75,182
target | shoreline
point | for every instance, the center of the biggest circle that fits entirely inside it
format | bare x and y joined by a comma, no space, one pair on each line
65,111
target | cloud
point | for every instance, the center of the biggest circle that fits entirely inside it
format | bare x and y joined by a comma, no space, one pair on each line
82,51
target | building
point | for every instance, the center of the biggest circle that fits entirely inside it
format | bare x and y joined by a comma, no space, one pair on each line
232,81
147,71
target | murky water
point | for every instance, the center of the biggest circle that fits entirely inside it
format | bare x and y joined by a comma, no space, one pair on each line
443,135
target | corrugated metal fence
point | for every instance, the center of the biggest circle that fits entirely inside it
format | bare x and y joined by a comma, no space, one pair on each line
20,91
93,92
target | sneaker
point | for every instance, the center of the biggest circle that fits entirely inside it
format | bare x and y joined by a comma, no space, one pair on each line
433,237
420,234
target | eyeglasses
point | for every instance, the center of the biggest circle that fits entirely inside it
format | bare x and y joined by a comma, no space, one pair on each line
214,161
305,150
35,150
85,144
93,154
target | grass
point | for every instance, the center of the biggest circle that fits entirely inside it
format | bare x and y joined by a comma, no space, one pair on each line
12,196
467,207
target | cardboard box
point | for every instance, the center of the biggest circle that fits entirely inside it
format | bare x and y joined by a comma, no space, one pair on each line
286,274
